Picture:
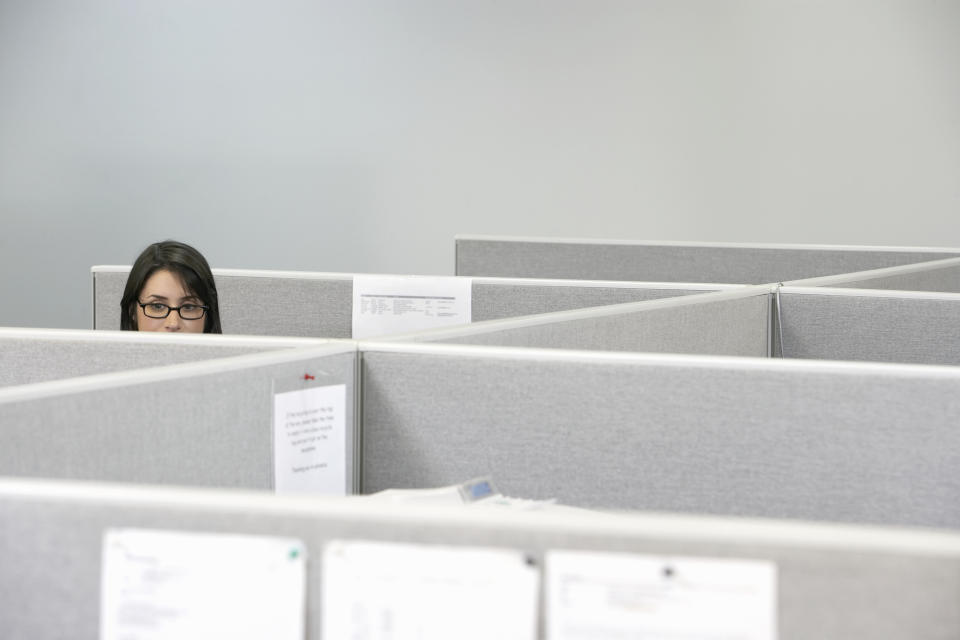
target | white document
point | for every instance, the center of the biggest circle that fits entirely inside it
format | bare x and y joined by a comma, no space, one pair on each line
389,591
163,585
383,305
310,440
611,595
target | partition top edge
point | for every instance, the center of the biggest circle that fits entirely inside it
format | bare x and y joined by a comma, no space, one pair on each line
808,534
743,363
728,245
870,293
146,337
868,274
132,377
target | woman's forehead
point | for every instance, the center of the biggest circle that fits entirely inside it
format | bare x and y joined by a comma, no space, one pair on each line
166,283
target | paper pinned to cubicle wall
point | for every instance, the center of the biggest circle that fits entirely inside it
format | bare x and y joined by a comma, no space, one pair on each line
404,591
384,305
598,595
309,440
165,585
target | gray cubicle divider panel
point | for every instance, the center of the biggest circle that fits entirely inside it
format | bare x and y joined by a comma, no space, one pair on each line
38,355
845,442
735,322
672,261
198,424
936,275
868,325
304,304
835,582
500,298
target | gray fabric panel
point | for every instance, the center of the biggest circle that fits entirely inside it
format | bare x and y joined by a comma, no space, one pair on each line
946,280
658,263
868,328
50,551
728,327
781,442
107,294
205,430
256,306
29,360
494,301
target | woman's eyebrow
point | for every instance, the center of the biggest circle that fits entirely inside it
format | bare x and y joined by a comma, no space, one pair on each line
157,297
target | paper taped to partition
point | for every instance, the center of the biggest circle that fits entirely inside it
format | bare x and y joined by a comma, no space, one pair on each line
404,591
166,585
615,595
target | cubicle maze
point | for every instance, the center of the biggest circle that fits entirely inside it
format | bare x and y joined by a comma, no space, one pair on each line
208,423
292,303
843,442
600,375
824,581
514,257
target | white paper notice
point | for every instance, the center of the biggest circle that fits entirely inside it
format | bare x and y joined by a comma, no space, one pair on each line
310,441
159,585
387,591
608,595
383,305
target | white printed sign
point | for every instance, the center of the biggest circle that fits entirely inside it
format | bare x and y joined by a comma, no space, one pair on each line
384,305
309,440
164,585
388,591
609,595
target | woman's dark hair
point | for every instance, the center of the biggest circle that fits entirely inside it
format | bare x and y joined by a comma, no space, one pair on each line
188,265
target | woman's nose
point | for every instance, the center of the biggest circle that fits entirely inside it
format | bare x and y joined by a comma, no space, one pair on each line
172,322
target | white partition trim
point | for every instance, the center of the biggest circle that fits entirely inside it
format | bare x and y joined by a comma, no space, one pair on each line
729,245
588,312
665,359
148,337
873,274
815,535
169,372
872,293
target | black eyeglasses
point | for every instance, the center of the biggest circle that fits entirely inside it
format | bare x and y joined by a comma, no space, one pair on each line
158,310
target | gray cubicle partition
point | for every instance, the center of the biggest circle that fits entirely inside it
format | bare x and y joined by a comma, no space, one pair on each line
868,325
201,424
39,355
834,582
733,322
299,303
672,261
935,275
848,442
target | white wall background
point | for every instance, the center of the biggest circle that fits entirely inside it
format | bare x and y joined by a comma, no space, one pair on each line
362,135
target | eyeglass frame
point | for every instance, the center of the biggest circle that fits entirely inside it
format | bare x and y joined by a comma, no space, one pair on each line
142,306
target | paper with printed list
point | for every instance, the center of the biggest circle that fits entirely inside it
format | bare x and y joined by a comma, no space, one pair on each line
389,591
613,595
309,440
384,305
165,585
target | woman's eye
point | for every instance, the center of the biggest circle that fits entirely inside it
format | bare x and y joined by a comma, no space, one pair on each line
156,306
189,307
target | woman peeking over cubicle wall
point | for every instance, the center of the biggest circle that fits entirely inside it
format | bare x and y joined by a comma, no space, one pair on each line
170,288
